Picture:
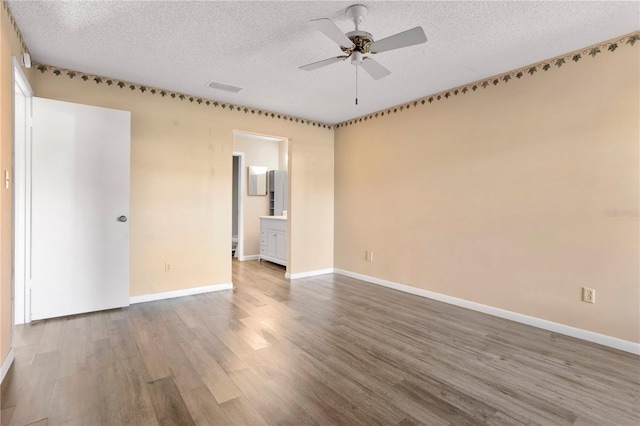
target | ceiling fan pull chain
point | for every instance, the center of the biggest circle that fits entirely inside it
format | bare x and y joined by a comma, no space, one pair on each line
356,85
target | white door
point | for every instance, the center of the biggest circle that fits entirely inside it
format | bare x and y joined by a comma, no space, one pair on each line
79,209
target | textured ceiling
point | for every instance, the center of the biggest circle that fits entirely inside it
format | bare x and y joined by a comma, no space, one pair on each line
259,45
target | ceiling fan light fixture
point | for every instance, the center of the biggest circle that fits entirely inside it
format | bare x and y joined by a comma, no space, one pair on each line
356,58
222,86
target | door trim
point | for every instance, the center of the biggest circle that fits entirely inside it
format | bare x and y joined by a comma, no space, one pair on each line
6,364
21,203
241,184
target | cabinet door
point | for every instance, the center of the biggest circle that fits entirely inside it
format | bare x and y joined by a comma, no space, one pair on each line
272,243
277,188
271,176
285,184
281,246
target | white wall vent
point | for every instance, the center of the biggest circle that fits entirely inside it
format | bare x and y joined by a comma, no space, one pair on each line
223,86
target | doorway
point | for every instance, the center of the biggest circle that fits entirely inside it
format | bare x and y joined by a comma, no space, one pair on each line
256,151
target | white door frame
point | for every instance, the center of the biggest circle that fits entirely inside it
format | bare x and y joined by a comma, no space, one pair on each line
21,201
241,183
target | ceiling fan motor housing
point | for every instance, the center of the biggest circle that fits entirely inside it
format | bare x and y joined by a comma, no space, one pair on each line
361,41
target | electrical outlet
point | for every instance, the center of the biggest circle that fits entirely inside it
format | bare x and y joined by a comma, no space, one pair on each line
588,295
167,267
369,256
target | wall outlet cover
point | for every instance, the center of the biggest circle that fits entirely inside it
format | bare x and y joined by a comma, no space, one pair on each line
588,295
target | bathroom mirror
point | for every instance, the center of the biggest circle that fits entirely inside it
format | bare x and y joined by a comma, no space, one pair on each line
257,180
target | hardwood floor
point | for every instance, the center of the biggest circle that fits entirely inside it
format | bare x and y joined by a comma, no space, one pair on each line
323,350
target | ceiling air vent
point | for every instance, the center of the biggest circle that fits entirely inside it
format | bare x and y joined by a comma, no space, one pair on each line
221,86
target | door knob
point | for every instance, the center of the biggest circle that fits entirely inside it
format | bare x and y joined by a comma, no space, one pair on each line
122,219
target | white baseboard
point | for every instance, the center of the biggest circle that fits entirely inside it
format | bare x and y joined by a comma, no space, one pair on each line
250,257
179,293
309,273
602,339
6,364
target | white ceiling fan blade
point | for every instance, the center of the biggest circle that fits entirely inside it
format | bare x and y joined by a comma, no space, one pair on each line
331,30
404,39
323,63
374,68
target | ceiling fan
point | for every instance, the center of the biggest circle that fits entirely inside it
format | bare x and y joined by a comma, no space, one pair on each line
356,44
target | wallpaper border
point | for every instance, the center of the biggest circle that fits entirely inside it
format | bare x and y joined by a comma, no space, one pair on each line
154,90
14,24
557,62
114,82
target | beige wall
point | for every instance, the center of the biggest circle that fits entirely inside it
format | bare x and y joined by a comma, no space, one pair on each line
9,46
283,150
500,197
6,129
256,153
181,182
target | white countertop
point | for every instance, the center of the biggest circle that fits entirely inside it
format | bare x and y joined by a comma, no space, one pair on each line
274,217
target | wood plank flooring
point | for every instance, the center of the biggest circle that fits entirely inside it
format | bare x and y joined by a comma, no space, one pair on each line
316,351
